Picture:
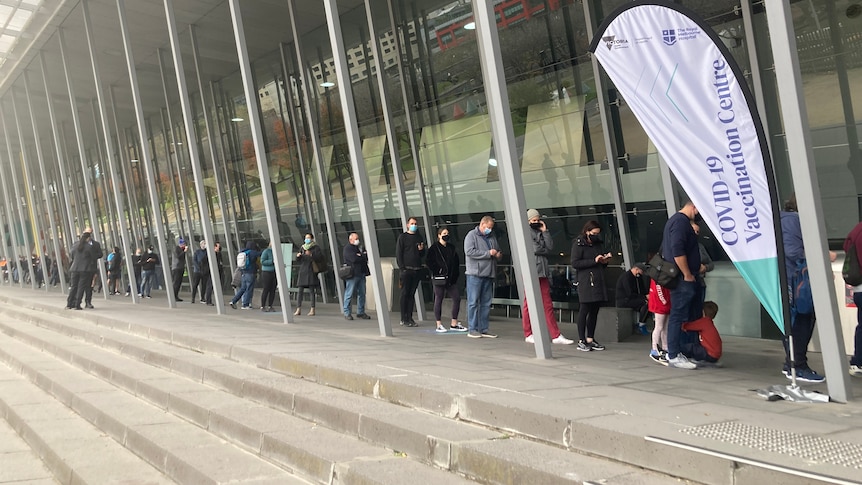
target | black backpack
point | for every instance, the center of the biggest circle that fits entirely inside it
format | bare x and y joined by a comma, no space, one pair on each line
851,272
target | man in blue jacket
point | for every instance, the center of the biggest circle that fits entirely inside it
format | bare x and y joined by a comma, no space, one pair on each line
249,275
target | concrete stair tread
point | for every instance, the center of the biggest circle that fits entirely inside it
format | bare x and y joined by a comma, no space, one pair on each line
20,463
73,449
291,441
182,451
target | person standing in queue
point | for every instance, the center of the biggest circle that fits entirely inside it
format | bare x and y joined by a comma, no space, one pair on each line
356,256
590,259
445,267
409,251
481,254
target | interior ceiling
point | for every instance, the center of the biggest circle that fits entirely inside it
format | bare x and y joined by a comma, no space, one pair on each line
266,22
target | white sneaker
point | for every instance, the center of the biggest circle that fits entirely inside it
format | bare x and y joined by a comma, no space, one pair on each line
856,370
563,340
681,362
529,339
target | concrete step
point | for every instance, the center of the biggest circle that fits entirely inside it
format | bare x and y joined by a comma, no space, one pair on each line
20,464
72,451
485,455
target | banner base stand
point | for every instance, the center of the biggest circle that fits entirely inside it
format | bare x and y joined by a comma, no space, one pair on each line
791,393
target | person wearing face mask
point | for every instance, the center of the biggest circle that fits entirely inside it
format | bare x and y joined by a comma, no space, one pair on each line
679,246
148,269
481,254
136,266
543,245
590,259
632,292
355,256
409,251
309,257
443,262
268,280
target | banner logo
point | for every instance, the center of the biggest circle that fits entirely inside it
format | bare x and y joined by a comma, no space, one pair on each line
669,36
611,42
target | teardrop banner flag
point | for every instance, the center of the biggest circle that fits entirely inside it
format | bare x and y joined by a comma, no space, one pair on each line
688,93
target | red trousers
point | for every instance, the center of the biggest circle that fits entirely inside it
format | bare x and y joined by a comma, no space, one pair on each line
550,316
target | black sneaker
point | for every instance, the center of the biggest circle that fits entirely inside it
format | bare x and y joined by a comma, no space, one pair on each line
232,305
583,346
363,316
348,317
596,346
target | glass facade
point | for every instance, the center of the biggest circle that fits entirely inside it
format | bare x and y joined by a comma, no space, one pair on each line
422,120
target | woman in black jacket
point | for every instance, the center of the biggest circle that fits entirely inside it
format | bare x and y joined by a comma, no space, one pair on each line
590,259
445,266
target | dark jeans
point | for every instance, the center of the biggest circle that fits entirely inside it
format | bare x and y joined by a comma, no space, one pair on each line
198,280
268,282
440,292
682,300
77,282
694,350
857,349
177,277
409,282
588,314
802,329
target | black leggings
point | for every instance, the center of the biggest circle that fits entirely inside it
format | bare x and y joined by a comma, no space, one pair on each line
587,316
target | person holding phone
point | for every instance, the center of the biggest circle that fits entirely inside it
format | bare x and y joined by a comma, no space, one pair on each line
590,259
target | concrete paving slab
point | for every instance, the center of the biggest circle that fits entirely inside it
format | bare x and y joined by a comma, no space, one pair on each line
393,471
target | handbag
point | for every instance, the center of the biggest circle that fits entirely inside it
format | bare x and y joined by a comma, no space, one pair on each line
439,280
664,273
345,272
851,271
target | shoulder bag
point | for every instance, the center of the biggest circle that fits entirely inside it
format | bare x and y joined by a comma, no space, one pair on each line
664,273
851,271
345,272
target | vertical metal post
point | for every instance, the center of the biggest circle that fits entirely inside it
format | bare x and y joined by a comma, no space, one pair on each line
82,153
211,139
103,116
51,221
123,163
61,165
323,197
173,141
610,147
145,157
105,179
798,135
395,156
228,205
260,153
188,117
363,189
499,112
306,187
28,187
7,199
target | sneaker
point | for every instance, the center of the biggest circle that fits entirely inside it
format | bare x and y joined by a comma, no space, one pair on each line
441,329
232,305
583,346
807,375
458,328
348,317
681,362
488,335
856,370
643,330
148,296
245,308
474,334
562,340
89,306
127,294
529,339
658,357
363,316
596,346
786,371
409,324
180,299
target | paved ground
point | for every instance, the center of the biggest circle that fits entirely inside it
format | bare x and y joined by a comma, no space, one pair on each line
619,389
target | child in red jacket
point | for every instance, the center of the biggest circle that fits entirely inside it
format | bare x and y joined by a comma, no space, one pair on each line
708,346
658,302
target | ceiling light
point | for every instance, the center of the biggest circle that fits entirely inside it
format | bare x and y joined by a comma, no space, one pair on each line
492,162
237,119
327,84
470,26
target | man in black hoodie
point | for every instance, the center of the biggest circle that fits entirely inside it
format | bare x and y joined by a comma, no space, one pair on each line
408,253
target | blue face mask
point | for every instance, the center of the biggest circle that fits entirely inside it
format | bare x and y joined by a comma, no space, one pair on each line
411,228
307,241
487,231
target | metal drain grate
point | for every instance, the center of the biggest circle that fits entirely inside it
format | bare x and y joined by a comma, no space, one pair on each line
810,448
